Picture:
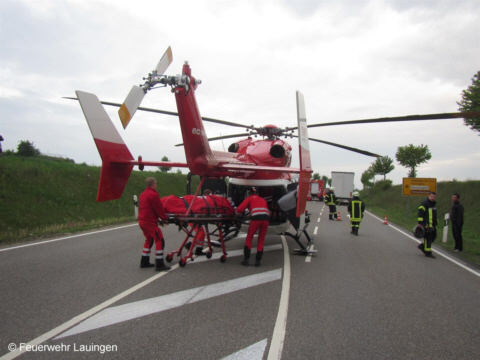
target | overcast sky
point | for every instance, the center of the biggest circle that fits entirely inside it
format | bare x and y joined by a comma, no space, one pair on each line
350,59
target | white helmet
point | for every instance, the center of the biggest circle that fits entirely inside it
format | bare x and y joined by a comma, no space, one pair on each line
332,188
356,193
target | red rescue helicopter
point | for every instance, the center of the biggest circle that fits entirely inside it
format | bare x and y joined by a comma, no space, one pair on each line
263,164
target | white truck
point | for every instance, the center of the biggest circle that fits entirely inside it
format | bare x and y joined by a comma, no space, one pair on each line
342,182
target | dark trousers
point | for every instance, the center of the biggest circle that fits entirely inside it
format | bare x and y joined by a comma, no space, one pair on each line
430,236
457,236
332,212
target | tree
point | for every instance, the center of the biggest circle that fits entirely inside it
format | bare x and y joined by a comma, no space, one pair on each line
367,177
316,176
326,180
27,148
411,156
165,168
382,166
471,102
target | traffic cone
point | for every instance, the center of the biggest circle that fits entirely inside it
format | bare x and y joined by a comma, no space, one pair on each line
385,222
338,218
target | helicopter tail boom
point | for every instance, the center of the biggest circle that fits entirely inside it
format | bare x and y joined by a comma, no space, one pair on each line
116,158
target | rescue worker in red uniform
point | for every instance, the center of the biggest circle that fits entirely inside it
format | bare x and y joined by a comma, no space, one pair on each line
260,216
198,230
150,210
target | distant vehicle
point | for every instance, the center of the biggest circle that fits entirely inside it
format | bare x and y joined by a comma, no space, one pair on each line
342,182
316,190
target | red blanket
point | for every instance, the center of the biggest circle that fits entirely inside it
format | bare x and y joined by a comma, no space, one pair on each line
208,205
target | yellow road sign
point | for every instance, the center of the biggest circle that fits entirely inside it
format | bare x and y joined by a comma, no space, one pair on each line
419,186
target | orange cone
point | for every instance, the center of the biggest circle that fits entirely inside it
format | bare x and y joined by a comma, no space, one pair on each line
338,218
385,221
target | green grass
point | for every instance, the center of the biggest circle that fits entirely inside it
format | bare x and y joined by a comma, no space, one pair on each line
43,196
402,210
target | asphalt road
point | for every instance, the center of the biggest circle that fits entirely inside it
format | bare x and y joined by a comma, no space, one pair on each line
372,296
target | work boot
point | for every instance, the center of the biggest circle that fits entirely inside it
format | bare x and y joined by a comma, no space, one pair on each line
429,255
356,231
258,257
353,230
246,258
421,246
160,266
145,263
199,251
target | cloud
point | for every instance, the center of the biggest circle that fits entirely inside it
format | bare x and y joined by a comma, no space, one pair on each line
351,60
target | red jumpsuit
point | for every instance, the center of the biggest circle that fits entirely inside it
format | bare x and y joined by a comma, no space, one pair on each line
150,209
199,237
260,215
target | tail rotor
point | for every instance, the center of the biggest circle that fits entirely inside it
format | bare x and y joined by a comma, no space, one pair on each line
137,93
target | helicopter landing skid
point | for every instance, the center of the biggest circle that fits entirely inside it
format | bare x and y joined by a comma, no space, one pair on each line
304,250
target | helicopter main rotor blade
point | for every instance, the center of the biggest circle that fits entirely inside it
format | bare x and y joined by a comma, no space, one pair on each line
137,93
165,112
442,116
363,152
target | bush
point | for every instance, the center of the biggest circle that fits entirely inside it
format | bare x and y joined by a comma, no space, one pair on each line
27,148
383,185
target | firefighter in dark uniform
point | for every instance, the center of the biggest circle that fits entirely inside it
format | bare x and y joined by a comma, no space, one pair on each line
356,208
331,200
427,217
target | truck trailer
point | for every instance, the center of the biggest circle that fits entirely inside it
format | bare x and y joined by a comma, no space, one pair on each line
316,190
342,182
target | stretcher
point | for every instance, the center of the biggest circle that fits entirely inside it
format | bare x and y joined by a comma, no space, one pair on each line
225,227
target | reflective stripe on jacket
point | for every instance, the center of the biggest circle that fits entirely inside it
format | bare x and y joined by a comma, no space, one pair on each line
356,208
330,199
257,206
427,213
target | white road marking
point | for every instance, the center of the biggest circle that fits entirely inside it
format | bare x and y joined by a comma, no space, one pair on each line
308,258
418,241
252,352
59,329
78,319
121,313
65,238
278,337
315,230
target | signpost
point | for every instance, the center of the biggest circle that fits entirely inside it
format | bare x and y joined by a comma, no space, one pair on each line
419,186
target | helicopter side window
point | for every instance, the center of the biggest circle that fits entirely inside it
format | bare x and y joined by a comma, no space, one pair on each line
233,148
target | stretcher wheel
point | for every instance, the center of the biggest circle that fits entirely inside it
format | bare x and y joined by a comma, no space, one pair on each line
183,262
209,255
169,257
223,258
